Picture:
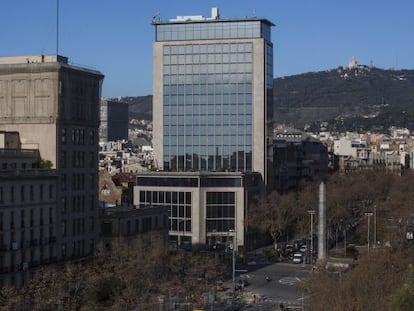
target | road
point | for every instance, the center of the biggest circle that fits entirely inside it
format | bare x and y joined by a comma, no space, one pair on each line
284,286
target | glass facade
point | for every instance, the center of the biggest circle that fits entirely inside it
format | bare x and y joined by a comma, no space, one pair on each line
221,208
207,92
212,30
208,107
178,203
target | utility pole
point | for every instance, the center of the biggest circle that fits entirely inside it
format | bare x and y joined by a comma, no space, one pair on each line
368,214
234,242
322,223
375,226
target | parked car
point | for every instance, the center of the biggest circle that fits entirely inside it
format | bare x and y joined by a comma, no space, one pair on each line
240,284
297,258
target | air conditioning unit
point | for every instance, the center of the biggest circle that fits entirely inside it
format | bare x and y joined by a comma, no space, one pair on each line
25,266
15,246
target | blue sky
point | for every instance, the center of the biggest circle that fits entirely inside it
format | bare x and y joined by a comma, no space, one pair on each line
116,36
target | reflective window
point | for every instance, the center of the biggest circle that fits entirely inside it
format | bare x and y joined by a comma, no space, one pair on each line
216,30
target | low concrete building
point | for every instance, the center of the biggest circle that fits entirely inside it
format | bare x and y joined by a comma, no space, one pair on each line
204,208
129,221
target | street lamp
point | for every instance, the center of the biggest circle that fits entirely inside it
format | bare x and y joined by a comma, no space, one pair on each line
375,226
311,213
233,248
181,233
368,214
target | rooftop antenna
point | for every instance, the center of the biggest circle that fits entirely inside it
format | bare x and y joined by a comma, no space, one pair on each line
156,17
254,12
57,27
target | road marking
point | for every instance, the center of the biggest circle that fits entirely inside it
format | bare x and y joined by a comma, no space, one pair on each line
289,281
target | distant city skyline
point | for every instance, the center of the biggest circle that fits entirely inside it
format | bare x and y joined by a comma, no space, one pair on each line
117,37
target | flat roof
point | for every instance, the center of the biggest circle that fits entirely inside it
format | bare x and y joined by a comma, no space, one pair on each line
30,59
37,60
209,20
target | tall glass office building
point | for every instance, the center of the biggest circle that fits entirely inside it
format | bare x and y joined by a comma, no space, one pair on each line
212,80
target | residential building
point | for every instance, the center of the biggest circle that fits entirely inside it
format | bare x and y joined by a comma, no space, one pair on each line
212,110
54,105
28,218
386,155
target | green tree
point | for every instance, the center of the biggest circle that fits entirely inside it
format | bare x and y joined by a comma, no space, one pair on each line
46,164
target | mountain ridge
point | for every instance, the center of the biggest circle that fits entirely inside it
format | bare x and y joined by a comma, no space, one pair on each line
349,96
359,98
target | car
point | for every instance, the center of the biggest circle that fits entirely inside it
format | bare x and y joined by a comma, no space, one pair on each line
297,258
303,249
241,284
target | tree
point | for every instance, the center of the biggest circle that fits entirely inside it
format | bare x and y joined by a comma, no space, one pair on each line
46,164
273,214
402,299
129,274
368,286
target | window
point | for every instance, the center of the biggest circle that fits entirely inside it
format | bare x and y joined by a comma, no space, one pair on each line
91,202
51,191
64,205
22,218
63,228
92,137
63,137
220,211
12,194
63,159
92,159
63,184
41,216
31,218
41,192
31,192
64,250
11,220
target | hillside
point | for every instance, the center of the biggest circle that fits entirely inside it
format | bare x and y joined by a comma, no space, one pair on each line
359,99
140,107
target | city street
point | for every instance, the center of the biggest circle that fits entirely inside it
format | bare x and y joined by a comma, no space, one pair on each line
284,286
